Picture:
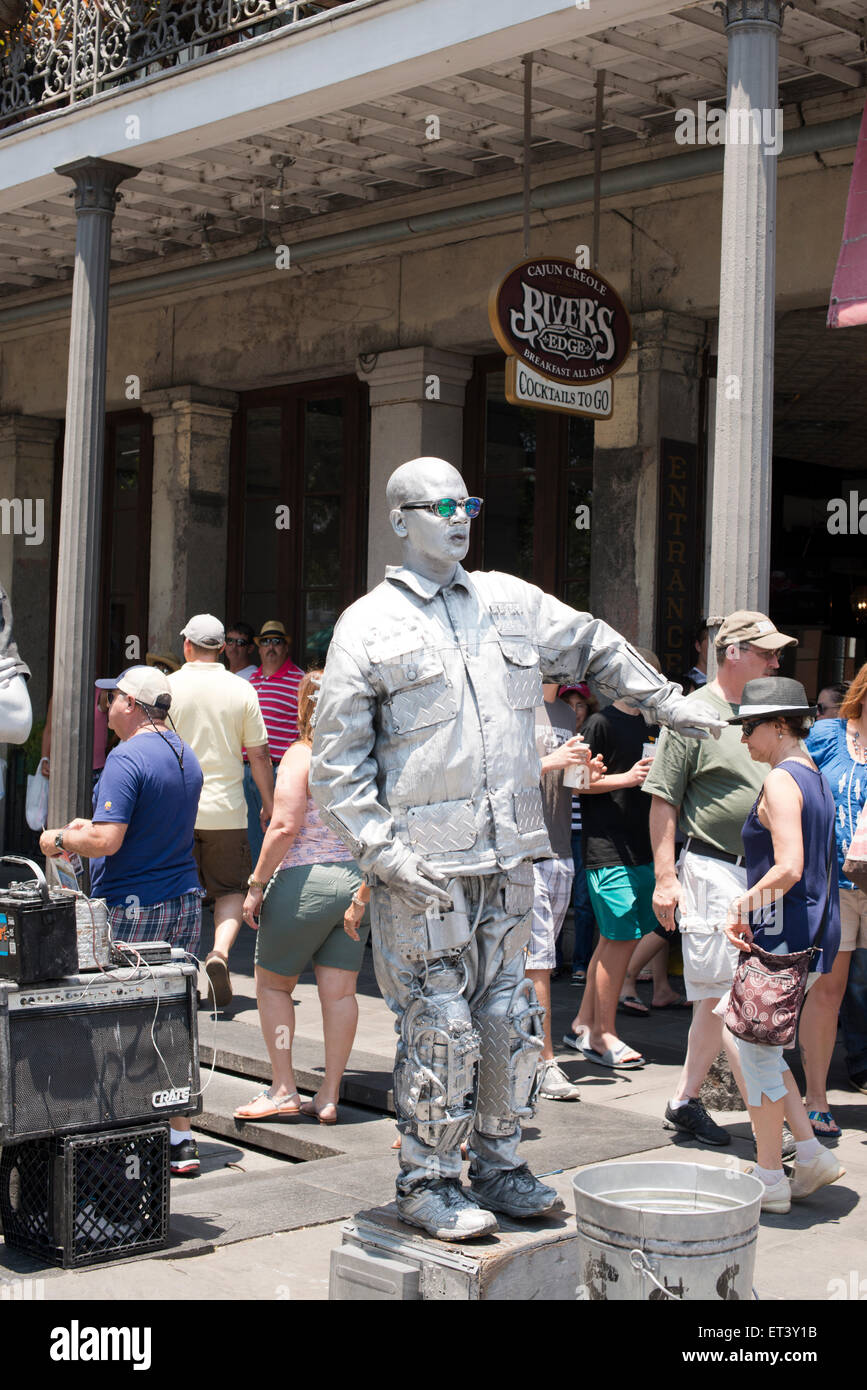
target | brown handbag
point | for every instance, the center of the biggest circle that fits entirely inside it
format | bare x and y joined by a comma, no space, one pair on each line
768,991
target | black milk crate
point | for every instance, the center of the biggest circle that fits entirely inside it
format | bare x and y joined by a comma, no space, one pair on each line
83,1199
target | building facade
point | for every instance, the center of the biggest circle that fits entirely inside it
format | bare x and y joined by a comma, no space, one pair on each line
312,213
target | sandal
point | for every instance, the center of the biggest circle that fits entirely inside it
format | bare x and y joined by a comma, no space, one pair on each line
824,1117
217,971
308,1107
271,1109
631,1004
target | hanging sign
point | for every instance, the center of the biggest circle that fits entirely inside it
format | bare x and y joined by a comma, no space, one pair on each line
524,386
565,324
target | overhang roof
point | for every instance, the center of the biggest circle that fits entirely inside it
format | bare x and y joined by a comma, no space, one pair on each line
218,201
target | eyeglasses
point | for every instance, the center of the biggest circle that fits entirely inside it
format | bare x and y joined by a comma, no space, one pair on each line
749,726
271,641
446,507
237,641
763,651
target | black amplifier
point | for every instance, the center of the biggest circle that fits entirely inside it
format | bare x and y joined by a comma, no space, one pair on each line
98,1050
38,934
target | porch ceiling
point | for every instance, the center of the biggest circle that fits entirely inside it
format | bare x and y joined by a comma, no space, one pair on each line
268,185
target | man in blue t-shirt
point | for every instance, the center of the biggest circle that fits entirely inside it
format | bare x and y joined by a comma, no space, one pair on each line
140,839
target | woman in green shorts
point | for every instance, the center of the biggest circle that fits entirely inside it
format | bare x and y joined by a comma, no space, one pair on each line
301,911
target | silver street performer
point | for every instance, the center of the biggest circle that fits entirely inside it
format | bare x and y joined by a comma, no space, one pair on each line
424,763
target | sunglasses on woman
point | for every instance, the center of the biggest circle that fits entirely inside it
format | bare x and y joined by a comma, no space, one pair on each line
749,726
446,506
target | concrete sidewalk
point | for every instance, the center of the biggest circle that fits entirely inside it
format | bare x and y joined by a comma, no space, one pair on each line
242,1193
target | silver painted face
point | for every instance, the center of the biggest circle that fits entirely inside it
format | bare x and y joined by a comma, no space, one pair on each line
439,540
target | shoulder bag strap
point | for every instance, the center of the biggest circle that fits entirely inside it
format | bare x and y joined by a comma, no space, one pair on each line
816,946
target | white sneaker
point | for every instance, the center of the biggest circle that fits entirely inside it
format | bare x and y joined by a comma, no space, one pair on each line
778,1197
556,1084
816,1172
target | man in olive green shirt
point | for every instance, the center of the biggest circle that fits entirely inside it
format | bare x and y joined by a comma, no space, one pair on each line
707,790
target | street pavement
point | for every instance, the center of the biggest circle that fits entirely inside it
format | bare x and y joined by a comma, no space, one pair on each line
257,1225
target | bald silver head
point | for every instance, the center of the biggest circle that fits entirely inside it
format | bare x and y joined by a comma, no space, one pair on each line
432,545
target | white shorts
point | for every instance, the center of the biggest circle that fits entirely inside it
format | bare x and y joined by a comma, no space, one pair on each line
553,894
707,887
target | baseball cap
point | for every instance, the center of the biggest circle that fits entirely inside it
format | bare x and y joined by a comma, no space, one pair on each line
143,683
756,628
204,630
582,690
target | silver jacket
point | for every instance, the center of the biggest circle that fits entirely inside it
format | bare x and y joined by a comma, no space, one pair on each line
425,730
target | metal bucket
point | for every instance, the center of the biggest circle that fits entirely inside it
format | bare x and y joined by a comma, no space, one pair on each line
649,1231
93,933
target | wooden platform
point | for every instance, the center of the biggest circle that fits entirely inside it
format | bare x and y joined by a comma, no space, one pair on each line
523,1261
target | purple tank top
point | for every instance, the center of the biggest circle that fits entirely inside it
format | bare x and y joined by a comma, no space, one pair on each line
315,843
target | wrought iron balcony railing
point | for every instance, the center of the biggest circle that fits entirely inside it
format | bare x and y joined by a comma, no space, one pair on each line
58,53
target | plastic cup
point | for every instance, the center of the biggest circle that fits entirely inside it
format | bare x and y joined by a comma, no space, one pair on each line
577,775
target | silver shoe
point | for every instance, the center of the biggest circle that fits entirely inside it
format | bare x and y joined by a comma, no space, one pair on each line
514,1192
441,1207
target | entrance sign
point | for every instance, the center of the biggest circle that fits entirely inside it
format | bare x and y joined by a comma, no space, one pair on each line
524,386
565,322
679,551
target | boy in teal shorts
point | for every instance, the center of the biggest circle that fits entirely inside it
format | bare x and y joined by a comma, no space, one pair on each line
620,879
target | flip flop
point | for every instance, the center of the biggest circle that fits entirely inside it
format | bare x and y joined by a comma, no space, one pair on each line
825,1118
675,1004
574,1039
271,1110
613,1057
631,1004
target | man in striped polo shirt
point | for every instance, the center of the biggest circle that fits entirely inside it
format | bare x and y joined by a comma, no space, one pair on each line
276,684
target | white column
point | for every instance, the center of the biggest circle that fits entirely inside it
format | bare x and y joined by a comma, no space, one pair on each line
740,529
416,410
192,438
96,182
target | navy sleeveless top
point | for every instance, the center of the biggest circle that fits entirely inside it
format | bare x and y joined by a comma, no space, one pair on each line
793,922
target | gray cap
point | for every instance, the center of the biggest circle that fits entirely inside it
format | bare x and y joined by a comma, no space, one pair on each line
769,696
204,630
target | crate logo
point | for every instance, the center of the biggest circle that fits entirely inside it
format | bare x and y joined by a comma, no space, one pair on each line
77,1343
179,1095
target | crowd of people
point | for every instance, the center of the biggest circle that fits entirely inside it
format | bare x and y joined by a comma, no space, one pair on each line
207,795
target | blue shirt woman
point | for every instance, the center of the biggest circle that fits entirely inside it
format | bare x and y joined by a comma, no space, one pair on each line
827,746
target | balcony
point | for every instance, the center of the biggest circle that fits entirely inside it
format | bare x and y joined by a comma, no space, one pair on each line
56,54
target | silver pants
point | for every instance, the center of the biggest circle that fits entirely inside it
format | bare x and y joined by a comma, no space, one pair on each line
468,1021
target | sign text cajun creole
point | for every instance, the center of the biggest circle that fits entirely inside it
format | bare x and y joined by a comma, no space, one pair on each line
564,321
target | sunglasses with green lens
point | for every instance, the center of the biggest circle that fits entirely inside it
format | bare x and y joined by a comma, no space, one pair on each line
446,506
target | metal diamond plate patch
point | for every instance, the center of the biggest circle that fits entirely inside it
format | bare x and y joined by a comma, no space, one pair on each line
419,706
528,810
439,829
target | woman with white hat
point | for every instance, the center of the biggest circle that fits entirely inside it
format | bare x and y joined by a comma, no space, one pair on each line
791,902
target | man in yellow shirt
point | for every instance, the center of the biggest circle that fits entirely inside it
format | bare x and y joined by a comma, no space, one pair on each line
218,715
